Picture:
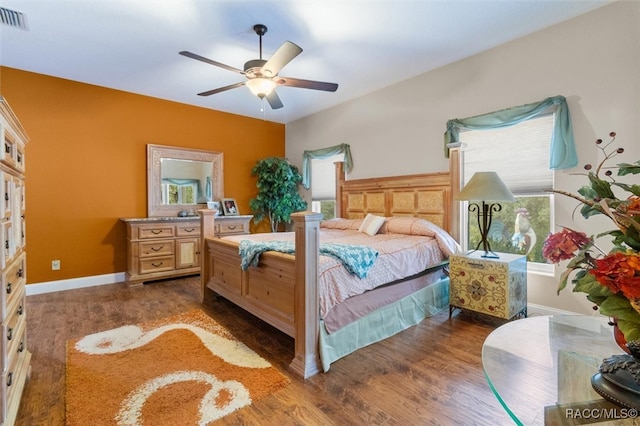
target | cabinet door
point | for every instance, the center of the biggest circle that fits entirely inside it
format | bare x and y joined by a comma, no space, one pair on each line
187,253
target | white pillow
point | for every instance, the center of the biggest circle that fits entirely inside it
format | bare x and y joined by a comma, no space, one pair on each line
371,224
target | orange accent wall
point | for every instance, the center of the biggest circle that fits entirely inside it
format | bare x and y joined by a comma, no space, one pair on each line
86,164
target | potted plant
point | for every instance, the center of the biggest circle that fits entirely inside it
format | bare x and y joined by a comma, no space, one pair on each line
278,195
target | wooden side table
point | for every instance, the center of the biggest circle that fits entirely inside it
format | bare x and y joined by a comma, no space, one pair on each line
496,287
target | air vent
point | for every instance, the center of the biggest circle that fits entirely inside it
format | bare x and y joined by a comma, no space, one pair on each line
13,18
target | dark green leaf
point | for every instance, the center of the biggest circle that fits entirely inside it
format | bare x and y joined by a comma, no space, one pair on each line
626,168
601,187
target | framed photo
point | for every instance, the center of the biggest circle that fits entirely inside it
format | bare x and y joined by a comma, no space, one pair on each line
215,205
229,207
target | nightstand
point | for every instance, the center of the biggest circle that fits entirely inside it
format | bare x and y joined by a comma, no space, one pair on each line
496,287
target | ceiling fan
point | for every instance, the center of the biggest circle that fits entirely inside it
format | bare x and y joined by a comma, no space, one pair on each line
262,75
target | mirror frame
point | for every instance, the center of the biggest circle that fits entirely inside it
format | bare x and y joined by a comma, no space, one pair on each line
155,154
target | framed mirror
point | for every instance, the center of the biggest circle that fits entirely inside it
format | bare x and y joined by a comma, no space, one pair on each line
182,179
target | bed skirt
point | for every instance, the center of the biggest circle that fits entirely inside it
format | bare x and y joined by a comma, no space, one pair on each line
384,322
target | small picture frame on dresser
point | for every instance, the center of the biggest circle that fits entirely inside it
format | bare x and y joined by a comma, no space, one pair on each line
215,205
229,207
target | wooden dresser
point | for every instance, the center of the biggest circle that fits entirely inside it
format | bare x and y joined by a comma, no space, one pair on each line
15,358
169,247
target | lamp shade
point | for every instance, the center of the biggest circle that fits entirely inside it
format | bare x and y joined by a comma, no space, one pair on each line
260,87
485,186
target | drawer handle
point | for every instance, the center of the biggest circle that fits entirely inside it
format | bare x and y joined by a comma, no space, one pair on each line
21,347
19,273
10,334
8,288
7,148
156,231
189,230
476,265
20,310
6,244
157,265
157,249
6,196
231,226
9,379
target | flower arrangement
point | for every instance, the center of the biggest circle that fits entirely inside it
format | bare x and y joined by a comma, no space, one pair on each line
611,279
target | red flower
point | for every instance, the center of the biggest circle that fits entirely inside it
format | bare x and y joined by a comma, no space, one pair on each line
563,245
620,272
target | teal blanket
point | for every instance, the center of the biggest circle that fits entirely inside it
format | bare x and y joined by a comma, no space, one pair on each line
356,259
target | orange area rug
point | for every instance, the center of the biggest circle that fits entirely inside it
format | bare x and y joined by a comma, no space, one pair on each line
181,370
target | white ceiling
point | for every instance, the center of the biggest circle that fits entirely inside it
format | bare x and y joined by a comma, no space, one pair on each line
363,45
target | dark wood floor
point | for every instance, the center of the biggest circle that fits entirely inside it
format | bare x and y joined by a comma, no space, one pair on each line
430,374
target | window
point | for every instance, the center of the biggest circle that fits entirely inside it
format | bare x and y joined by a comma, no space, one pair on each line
520,156
179,193
323,185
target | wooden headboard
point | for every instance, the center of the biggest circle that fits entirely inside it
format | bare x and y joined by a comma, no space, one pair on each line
427,196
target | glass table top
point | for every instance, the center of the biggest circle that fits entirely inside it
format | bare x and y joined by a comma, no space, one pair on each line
546,361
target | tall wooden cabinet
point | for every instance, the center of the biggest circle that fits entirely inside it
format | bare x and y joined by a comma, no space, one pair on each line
14,356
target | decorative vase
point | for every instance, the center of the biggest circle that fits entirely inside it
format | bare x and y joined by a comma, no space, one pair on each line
618,379
207,189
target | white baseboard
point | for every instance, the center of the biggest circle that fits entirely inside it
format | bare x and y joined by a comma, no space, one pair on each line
73,283
538,310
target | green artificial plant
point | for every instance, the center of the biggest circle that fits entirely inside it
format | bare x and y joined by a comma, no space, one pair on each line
278,195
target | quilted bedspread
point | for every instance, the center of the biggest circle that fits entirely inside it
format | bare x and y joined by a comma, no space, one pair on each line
355,258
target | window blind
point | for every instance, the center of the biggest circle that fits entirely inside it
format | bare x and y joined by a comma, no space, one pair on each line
518,153
323,178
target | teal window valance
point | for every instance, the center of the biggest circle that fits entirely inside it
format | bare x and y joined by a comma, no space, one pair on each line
307,156
562,150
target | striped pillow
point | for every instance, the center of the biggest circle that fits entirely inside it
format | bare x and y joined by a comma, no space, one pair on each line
371,224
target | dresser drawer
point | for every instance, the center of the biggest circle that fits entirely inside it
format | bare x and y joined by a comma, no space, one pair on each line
12,381
223,229
188,230
157,264
159,231
13,279
14,334
156,248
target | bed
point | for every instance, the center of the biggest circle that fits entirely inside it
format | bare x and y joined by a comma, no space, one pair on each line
284,289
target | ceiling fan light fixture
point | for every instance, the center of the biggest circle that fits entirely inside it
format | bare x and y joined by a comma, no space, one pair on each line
260,86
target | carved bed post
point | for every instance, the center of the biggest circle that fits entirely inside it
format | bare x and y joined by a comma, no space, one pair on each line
206,229
455,161
339,180
306,310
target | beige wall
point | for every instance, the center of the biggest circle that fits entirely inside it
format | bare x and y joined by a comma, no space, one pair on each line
593,60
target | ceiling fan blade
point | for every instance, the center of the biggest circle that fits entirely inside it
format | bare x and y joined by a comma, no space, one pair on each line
306,84
209,61
282,57
221,89
274,100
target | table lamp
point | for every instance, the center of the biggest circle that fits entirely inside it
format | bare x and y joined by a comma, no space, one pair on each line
485,188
